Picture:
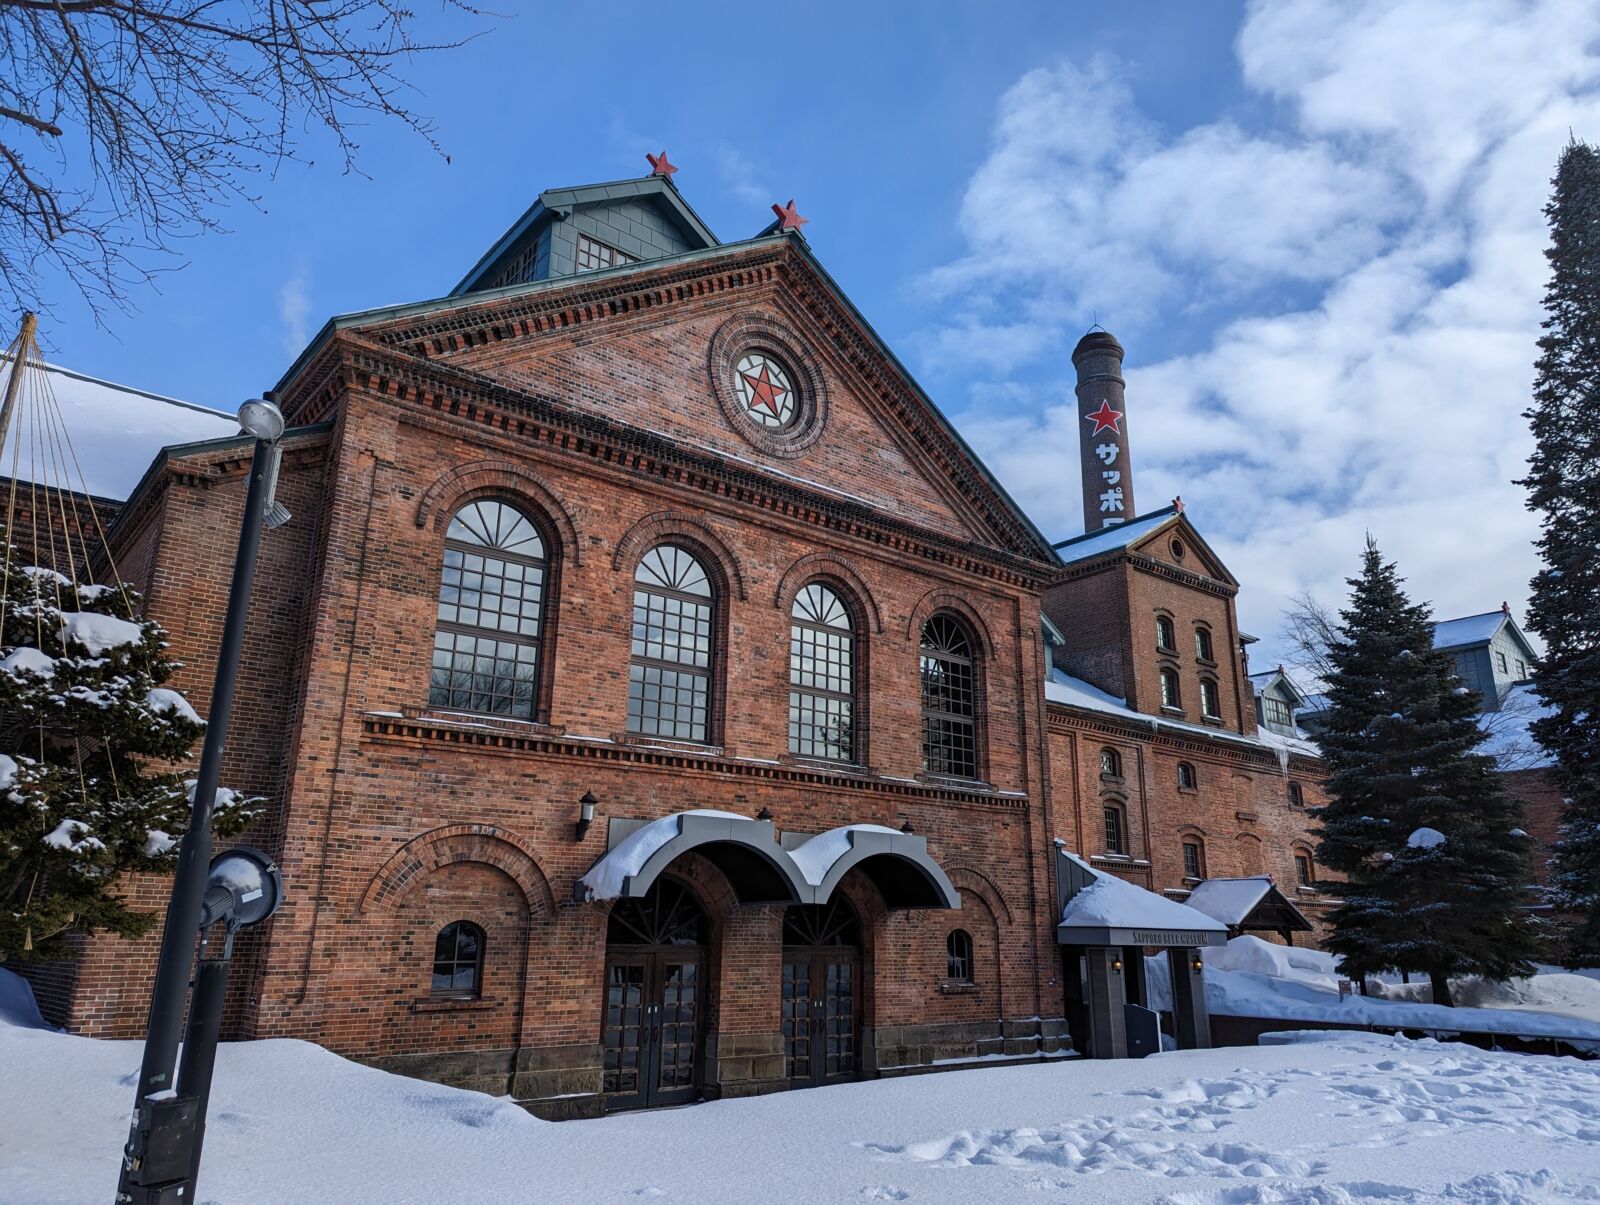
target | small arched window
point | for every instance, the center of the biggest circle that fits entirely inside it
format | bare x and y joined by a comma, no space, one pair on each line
1202,644
1169,689
822,676
1305,870
1194,859
958,956
490,621
1188,780
1210,700
1297,795
1116,834
1111,762
949,699
1166,636
458,960
669,678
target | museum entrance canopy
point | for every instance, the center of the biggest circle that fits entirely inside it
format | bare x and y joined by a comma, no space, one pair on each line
1099,909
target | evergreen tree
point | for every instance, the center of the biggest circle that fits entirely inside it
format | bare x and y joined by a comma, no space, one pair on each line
1564,488
1430,842
86,725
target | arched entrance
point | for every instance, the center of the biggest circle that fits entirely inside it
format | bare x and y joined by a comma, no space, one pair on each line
655,997
821,992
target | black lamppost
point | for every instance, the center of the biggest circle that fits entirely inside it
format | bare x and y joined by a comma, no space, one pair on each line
162,1154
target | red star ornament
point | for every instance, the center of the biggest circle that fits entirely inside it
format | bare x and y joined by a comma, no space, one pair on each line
764,391
1105,419
788,217
659,165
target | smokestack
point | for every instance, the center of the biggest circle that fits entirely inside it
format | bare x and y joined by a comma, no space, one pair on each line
1103,432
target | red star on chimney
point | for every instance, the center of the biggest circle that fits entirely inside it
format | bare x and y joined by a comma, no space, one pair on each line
1104,419
788,217
659,165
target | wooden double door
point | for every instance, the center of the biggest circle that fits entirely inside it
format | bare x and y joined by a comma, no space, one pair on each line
821,993
655,1000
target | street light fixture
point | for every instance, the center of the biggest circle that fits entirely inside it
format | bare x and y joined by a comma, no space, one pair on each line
161,1158
585,814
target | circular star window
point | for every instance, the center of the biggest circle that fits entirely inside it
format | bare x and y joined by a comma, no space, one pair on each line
763,388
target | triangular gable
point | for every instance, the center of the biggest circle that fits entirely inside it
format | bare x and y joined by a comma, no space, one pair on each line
1152,535
1276,678
531,344
1248,903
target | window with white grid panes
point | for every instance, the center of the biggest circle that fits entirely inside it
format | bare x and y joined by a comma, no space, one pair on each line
491,613
821,676
949,699
669,677
593,255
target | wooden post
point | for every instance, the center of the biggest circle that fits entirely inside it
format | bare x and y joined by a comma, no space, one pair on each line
19,362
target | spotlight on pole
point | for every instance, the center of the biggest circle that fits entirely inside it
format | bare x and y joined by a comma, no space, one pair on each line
261,419
243,888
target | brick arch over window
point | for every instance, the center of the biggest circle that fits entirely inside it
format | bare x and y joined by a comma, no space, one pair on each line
819,565
668,527
422,855
968,880
939,599
502,479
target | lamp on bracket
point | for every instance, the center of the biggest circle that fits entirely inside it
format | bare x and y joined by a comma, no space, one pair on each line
585,814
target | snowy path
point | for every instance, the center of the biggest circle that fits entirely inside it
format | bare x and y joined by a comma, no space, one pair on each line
1352,1119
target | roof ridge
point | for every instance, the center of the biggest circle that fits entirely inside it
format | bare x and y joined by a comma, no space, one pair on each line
1169,509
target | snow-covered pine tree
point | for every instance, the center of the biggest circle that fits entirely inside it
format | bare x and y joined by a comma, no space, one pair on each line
1564,488
86,726
1429,839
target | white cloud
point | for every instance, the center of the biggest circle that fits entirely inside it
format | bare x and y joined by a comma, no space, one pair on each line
1395,200
294,312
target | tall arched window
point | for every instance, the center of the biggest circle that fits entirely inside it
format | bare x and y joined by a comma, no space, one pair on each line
491,613
669,678
949,699
1111,762
1194,859
822,676
1305,868
1210,700
958,956
1188,780
1166,637
1202,644
1297,795
1169,689
458,960
1116,831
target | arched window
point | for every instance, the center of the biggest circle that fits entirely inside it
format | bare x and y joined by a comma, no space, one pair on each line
1166,637
1297,795
949,699
1111,762
1210,703
822,676
669,678
1116,834
491,604
1188,780
1194,859
1305,870
958,956
458,960
1169,689
1202,644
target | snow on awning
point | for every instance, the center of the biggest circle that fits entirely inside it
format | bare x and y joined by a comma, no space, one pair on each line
1248,903
802,869
1100,909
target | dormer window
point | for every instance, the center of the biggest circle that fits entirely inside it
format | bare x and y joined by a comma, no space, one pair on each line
1166,636
1500,662
593,255
1276,710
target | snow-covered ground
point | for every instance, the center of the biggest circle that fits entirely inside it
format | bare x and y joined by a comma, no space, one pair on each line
1318,1121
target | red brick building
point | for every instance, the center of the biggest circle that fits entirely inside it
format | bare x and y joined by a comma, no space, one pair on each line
650,690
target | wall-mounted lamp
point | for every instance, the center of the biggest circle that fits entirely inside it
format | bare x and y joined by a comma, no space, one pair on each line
586,813
764,814
1116,965
906,827
1199,964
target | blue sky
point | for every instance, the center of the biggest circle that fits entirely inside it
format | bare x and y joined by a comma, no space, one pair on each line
1315,227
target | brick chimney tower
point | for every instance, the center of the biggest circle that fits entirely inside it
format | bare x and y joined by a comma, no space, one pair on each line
1103,432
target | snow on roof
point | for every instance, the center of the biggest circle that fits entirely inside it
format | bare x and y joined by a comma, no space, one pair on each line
116,430
606,876
1229,900
1109,538
1113,903
1510,742
817,856
1470,629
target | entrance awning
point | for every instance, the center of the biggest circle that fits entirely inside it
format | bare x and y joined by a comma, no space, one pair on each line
1099,909
1248,903
802,869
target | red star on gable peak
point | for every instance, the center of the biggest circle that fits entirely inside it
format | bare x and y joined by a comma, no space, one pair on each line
659,165
1105,419
788,217
764,391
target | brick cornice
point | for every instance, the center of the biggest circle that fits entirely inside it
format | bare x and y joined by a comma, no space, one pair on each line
461,396
1144,564
481,738
1067,719
444,332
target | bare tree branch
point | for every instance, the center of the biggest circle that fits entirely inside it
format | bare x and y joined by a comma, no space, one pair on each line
125,126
